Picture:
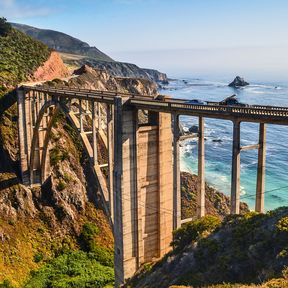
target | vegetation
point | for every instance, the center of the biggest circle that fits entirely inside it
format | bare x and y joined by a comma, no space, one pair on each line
74,269
242,251
91,267
20,56
5,27
193,230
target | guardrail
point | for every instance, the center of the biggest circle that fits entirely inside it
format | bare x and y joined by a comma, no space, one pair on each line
255,110
167,104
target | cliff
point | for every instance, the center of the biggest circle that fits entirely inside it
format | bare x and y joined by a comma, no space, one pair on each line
52,68
216,203
117,69
89,78
78,53
62,42
157,76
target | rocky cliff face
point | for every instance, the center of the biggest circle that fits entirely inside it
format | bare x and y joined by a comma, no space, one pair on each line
118,69
216,203
89,78
157,76
51,69
45,220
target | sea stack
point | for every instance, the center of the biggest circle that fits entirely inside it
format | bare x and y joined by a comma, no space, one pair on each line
238,82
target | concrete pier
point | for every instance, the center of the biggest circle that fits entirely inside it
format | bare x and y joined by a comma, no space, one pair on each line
235,177
260,189
94,133
201,170
143,202
176,174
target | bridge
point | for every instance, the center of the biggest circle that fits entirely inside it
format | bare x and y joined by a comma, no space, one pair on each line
140,188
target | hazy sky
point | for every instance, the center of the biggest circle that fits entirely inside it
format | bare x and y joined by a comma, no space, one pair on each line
221,37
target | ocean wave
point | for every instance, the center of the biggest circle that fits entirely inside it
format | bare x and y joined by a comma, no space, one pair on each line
242,191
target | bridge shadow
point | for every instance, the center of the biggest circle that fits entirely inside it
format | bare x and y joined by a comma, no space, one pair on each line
8,183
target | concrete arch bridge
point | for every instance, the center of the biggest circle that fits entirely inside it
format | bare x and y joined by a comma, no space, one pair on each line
141,189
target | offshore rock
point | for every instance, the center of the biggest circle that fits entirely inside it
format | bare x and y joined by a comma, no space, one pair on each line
238,82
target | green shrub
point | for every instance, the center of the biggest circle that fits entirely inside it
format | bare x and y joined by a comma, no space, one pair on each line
5,27
61,185
192,230
6,284
57,155
87,241
74,269
38,257
282,224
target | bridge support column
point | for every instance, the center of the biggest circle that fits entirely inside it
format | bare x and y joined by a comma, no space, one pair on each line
81,116
235,177
125,193
143,189
94,132
176,174
165,173
22,132
201,170
110,157
259,206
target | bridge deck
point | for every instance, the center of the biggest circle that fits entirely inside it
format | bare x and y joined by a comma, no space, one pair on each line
254,113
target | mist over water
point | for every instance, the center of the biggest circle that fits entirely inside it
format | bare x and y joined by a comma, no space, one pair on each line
218,134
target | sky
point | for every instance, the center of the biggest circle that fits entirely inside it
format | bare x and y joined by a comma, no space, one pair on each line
181,37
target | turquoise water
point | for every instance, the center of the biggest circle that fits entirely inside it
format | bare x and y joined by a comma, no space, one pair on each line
218,154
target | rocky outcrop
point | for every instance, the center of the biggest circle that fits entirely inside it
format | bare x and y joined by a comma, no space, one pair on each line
89,78
51,69
216,203
238,82
157,76
119,69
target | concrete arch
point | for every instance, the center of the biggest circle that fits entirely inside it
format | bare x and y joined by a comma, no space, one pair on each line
44,173
35,138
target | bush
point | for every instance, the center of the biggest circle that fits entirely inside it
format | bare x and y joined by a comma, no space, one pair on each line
191,231
57,155
75,269
5,27
88,243
61,185
38,257
6,284
282,224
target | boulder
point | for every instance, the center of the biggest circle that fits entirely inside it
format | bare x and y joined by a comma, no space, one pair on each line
194,129
238,82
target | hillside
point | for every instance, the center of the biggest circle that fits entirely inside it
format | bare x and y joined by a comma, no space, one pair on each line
62,42
78,53
20,56
243,249
58,224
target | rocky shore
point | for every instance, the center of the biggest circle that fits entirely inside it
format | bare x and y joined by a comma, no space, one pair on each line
216,202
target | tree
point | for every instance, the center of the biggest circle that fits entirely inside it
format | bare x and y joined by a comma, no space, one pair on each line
5,27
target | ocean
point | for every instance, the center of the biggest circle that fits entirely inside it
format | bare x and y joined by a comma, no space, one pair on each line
218,144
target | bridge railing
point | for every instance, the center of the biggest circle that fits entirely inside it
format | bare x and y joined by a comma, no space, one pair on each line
148,102
255,110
